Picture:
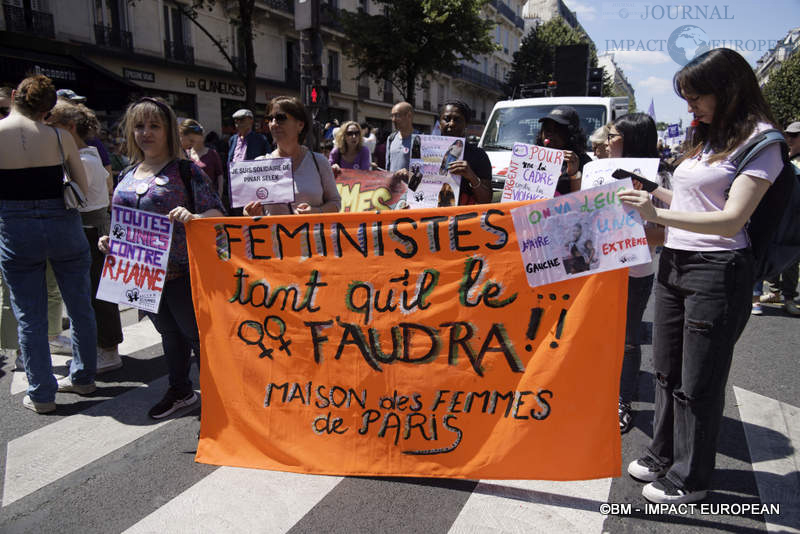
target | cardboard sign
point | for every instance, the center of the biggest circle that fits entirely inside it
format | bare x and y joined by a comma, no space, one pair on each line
532,173
268,181
598,172
579,234
136,267
369,190
401,343
430,184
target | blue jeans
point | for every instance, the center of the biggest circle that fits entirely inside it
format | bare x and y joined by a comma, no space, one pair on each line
33,232
176,323
638,294
702,306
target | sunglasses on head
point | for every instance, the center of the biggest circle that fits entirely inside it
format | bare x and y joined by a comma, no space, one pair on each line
279,117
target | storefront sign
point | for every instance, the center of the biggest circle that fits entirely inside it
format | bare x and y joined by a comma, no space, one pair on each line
56,73
213,86
139,75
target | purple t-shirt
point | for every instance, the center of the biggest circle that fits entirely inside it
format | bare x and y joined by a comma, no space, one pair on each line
162,199
362,160
700,187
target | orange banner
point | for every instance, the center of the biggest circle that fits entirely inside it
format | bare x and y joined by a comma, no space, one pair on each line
402,343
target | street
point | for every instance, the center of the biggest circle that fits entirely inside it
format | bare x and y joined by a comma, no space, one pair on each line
99,465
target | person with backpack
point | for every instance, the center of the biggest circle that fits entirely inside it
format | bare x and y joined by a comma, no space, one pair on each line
706,271
161,182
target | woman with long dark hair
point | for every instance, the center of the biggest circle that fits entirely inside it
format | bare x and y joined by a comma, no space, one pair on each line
634,136
705,276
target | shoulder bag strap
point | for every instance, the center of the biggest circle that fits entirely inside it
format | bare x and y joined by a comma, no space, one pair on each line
63,159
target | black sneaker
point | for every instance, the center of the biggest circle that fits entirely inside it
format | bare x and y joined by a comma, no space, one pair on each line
625,417
646,469
664,491
171,402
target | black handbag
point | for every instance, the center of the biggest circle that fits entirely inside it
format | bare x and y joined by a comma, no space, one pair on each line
73,196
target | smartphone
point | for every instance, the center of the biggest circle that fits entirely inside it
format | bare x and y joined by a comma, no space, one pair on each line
647,185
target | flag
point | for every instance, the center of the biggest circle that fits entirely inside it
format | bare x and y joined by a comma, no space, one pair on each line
652,110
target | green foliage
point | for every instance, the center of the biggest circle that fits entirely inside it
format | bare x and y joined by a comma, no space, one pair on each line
782,91
535,60
411,39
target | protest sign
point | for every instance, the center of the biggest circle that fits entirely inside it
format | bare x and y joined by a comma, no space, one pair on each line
579,234
268,181
430,184
135,268
532,173
402,343
598,172
673,130
368,190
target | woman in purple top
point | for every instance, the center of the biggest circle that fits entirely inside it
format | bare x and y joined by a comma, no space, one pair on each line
350,152
155,184
705,275
193,143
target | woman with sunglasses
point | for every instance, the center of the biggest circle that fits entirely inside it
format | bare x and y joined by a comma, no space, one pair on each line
154,184
705,275
36,228
349,151
314,187
193,143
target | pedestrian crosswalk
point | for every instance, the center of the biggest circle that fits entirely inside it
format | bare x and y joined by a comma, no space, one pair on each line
49,463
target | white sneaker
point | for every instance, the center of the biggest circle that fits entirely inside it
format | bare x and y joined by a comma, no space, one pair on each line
60,345
65,385
108,360
38,407
771,298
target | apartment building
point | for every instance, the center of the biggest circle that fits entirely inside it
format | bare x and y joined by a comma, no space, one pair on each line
113,51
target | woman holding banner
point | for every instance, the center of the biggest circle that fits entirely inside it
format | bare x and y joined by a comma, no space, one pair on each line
634,136
349,152
705,275
314,186
154,183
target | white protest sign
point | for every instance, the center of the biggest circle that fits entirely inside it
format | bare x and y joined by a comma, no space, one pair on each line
430,184
268,181
582,233
135,269
598,172
532,173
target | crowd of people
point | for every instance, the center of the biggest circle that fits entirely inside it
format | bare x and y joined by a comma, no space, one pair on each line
696,215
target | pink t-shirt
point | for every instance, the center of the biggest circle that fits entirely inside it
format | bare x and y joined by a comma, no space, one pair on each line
700,187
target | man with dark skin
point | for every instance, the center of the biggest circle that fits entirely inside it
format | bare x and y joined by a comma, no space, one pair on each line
475,169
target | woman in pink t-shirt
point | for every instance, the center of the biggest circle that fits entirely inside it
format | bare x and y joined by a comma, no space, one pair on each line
193,143
704,284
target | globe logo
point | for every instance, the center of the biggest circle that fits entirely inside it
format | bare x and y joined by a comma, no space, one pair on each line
686,43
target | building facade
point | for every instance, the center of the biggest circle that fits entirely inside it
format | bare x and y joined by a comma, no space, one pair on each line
622,86
772,60
114,51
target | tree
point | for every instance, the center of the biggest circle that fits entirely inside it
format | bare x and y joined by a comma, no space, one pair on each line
535,60
412,39
242,20
782,90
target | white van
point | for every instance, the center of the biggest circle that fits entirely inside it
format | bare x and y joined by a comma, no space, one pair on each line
517,121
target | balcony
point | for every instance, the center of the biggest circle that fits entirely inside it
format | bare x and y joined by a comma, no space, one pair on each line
33,22
334,86
110,37
363,92
329,16
478,78
519,22
292,79
176,51
287,6
388,96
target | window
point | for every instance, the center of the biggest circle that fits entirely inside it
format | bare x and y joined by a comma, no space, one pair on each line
442,94
176,29
363,5
497,34
110,13
506,32
293,56
333,66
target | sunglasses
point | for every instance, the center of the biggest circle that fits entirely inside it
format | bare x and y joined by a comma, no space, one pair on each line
279,117
353,133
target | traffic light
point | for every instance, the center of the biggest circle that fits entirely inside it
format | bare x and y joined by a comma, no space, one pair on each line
594,84
318,96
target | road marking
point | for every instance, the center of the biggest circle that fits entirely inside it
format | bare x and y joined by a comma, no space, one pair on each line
138,336
524,506
234,499
45,455
772,429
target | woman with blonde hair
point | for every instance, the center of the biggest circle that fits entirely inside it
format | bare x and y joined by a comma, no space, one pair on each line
599,140
349,152
193,143
161,182
36,227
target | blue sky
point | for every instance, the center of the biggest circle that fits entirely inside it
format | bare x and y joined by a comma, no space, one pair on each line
641,44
